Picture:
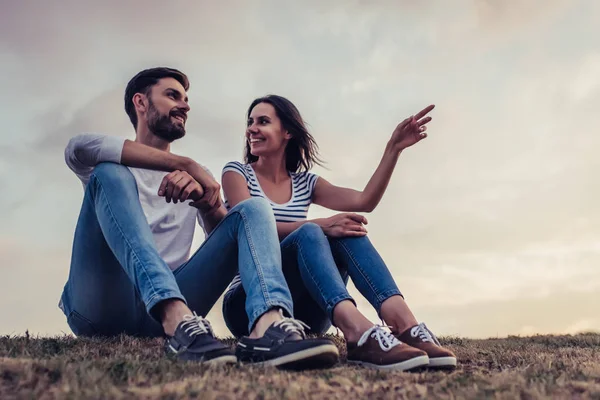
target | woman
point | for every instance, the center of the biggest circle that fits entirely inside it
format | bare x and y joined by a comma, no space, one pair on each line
319,255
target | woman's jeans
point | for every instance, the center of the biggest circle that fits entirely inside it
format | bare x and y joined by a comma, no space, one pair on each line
316,269
117,276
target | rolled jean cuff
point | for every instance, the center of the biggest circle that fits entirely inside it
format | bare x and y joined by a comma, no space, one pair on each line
384,296
287,309
331,304
158,297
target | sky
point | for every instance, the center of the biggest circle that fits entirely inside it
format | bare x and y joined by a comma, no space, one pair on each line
490,226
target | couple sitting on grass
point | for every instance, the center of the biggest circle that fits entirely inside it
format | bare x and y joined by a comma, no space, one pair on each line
131,270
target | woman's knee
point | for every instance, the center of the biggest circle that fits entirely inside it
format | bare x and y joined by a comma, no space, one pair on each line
309,231
352,244
355,240
255,205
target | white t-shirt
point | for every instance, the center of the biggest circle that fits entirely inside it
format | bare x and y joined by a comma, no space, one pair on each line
172,225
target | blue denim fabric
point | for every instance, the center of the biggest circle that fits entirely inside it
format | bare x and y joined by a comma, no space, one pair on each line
316,269
366,268
117,276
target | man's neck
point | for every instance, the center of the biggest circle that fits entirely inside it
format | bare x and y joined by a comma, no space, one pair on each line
145,136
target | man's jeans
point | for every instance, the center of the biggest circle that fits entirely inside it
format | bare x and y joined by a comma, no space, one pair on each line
117,276
316,269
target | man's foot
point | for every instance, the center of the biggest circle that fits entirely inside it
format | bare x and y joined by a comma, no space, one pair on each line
378,348
285,345
194,340
420,337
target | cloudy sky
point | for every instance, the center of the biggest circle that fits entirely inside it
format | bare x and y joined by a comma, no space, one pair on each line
491,226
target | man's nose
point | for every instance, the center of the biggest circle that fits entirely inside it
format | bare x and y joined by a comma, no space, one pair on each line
184,106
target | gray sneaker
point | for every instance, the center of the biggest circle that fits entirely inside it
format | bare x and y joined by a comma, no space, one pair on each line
194,340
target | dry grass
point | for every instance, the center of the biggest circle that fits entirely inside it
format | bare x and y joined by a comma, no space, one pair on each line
124,367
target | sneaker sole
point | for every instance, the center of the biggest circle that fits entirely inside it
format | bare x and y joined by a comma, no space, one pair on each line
224,359
417,362
442,362
323,356
229,359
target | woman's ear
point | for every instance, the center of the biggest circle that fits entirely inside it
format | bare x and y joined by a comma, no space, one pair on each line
287,135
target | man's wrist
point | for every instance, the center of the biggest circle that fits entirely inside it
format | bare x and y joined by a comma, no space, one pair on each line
185,164
208,211
214,216
201,175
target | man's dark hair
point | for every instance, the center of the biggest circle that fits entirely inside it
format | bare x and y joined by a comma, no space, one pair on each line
143,82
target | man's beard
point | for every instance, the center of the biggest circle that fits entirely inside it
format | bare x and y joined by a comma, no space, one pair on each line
162,125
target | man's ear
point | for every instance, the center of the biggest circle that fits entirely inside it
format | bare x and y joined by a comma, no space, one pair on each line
140,102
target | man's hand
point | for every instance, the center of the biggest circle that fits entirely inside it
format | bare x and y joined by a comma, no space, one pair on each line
411,130
344,225
180,186
211,201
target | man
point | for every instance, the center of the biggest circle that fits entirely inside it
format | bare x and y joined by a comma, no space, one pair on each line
130,268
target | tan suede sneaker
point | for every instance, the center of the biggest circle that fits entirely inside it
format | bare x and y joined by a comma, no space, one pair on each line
420,337
378,348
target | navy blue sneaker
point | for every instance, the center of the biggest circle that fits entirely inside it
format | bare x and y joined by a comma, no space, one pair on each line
285,345
194,340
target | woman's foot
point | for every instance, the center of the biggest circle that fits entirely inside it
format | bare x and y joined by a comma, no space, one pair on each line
378,348
420,337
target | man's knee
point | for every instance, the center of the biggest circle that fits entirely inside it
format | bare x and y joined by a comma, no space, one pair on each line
108,171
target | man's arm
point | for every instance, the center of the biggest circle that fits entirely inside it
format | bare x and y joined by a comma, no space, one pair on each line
84,152
209,203
139,155
180,186
212,218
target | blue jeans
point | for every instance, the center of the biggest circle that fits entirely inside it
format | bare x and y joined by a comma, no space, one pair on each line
316,269
117,276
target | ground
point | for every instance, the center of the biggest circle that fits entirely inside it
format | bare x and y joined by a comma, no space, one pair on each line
125,367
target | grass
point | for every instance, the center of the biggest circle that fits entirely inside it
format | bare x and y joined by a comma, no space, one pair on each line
124,367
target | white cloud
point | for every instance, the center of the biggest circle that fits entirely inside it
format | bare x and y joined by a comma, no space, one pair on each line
586,82
584,325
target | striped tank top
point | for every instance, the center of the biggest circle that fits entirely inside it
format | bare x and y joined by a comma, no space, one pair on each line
296,209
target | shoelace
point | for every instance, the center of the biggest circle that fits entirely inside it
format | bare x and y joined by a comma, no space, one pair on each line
195,325
424,334
386,340
292,325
